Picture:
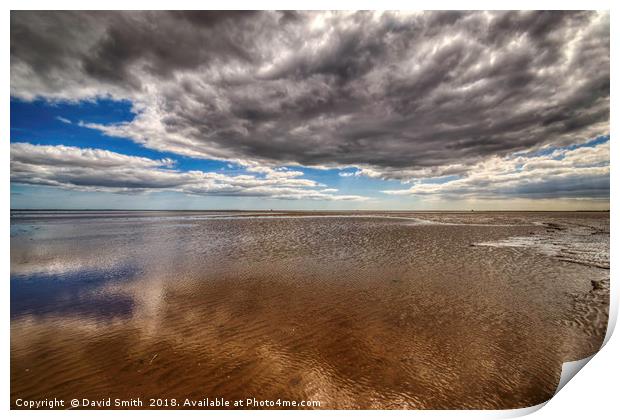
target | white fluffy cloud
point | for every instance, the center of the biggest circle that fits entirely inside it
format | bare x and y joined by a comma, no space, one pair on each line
582,172
101,170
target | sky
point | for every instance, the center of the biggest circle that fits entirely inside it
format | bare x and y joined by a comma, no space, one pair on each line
310,110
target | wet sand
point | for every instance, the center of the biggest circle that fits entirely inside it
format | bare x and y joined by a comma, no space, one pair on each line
355,310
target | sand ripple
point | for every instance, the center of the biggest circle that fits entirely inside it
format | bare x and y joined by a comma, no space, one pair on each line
389,310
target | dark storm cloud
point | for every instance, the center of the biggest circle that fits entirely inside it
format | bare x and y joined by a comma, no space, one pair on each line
398,95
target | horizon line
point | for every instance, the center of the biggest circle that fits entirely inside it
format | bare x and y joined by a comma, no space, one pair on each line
312,210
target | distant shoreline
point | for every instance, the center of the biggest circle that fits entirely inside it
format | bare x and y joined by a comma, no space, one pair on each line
311,211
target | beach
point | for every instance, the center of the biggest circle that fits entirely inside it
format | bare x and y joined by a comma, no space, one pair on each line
385,310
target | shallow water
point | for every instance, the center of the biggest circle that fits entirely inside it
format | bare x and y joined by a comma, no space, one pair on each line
355,310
